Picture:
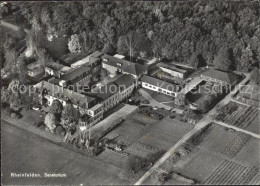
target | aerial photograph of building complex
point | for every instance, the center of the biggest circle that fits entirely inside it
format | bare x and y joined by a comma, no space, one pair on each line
130,92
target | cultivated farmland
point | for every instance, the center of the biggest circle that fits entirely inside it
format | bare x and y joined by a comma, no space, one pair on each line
239,115
216,155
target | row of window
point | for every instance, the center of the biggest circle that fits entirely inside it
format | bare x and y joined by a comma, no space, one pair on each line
159,89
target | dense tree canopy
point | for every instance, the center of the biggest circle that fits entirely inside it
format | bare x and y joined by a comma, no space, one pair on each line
174,30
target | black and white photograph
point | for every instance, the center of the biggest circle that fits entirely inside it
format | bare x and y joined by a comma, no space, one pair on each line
145,92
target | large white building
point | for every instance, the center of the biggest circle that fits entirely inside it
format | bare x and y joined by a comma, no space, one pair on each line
114,92
158,85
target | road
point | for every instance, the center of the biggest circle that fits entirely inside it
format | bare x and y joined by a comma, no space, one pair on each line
207,119
11,26
23,152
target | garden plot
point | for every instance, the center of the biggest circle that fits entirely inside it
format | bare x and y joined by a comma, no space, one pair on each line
201,166
220,140
242,116
249,155
232,173
218,156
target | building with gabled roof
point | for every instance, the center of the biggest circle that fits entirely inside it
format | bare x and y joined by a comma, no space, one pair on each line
56,69
35,69
86,104
218,76
114,64
89,60
173,70
114,92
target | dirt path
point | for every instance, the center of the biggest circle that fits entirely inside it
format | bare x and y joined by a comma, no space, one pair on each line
11,26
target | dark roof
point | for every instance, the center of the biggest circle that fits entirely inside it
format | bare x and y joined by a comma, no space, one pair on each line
64,94
111,88
57,66
172,67
71,58
106,91
127,66
227,77
126,80
76,73
97,54
159,83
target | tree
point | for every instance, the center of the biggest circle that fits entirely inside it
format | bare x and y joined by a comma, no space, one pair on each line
255,76
15,102
191,115
135,163
21,34
56,108
11,60
22,70
222,60
5,95
246,60
180,100
194,61
50,122
74,44
129,43
69,117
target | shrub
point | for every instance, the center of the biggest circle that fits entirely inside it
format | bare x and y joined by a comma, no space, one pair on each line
135,163
59,130
146,101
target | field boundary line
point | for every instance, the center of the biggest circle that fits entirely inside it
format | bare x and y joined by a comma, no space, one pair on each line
237,129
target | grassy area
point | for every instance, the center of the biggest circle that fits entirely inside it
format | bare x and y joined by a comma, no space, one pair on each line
159,96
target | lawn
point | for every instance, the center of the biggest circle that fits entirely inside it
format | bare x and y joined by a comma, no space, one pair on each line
159,96
27,153
165,134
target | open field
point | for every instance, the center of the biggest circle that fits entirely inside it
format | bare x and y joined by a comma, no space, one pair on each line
217,156
144,135
242,116
26,153
165,133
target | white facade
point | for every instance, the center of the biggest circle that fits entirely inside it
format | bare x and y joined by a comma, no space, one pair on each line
109,68
117,97
80,62
173,72
158,89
